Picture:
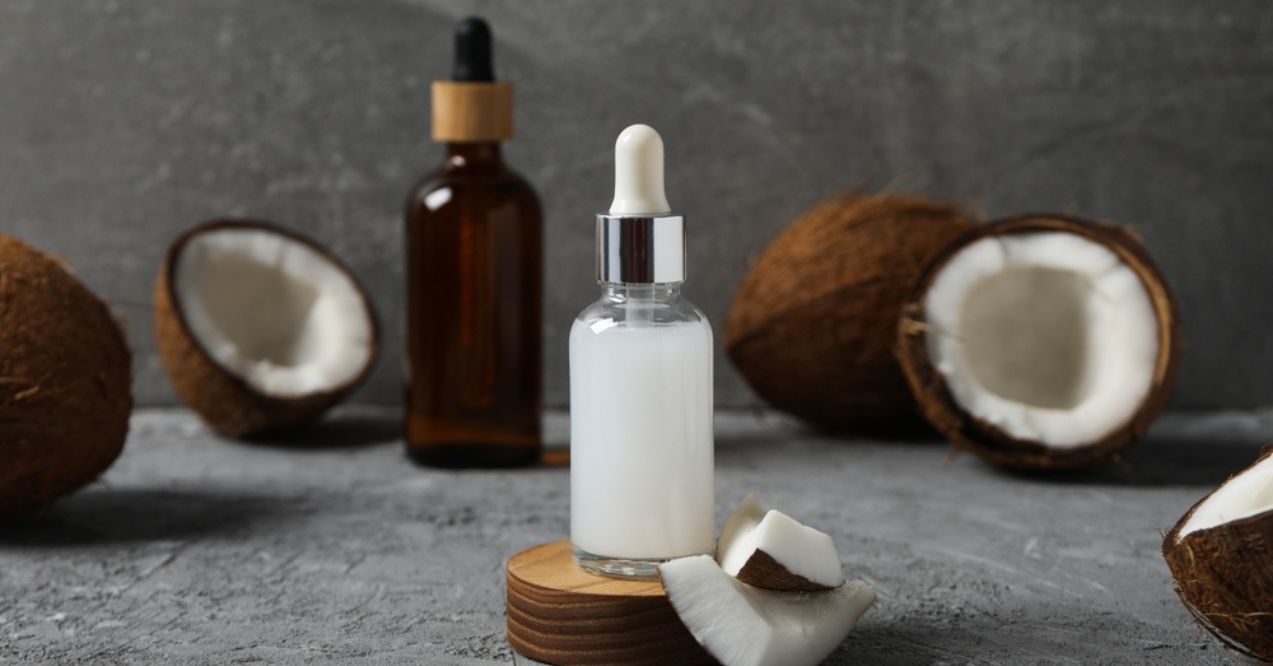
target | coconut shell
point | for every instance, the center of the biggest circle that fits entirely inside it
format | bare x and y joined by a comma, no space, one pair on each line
1224,576
763,571
223,400
65,381
988,441
813,326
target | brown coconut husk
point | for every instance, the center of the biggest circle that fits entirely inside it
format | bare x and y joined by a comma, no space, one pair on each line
65,381
763,571
223,400
813,325
988,441
1224,576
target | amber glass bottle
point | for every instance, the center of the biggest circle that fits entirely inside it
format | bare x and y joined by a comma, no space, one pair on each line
474,267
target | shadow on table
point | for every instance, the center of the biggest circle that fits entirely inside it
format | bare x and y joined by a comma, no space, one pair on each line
339,431
102,514
766,435
1165,462
1184,450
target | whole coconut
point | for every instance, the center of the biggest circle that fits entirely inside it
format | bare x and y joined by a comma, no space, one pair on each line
813,327
65,381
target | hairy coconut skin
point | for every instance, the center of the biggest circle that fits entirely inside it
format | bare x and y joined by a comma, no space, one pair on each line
224,401
986,440
1224,576
65,381
813,326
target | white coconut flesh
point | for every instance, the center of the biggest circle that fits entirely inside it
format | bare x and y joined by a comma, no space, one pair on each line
1245,495
1047,336
273,311
741,625
800,549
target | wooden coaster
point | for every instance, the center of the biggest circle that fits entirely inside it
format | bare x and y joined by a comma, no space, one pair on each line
560,614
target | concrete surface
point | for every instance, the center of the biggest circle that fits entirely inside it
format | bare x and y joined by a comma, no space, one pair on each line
332,548
124,121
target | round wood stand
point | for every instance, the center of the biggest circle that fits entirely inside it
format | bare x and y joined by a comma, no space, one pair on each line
560,614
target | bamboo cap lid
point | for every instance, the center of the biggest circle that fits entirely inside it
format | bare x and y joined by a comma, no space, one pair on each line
472,111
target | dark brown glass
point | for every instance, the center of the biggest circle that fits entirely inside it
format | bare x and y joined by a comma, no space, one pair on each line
474,275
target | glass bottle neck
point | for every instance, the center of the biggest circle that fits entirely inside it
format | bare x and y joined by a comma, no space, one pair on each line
625,291
484,153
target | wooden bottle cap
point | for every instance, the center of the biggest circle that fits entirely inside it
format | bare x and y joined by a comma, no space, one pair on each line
560,614
471,111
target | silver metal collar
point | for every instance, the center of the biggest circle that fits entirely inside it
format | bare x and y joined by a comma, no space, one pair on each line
640,249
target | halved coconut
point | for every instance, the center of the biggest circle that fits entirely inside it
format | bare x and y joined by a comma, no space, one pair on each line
741,625
259,327
770,550
1041,341
1221,556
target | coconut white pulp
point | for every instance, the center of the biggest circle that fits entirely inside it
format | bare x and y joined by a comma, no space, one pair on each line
1047,336
1246,494
273,311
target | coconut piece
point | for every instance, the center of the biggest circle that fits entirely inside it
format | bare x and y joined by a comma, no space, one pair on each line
65,381
1221,556
260,328
770,550
813,325
1041,342
741,625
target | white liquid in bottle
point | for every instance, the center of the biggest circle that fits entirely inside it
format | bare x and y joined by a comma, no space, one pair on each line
641,467
641,440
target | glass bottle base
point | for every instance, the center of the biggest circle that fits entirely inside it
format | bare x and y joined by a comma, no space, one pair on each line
619,567
482,455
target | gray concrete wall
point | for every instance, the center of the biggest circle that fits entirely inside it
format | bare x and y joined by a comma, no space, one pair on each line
124,121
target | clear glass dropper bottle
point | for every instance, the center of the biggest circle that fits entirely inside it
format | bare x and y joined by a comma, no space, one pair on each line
641,445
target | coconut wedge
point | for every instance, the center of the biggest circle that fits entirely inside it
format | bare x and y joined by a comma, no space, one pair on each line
1041,342
770,550
741,625
260,328
1221,556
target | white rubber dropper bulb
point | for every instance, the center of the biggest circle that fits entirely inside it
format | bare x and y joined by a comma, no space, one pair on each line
638,173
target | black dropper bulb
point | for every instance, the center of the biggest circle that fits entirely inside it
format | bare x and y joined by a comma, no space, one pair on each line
473,51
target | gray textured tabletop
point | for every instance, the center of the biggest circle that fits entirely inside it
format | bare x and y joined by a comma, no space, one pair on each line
333,548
